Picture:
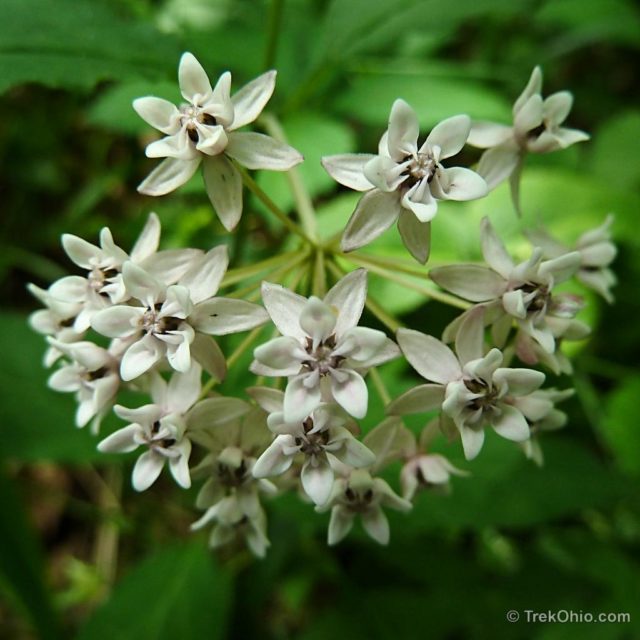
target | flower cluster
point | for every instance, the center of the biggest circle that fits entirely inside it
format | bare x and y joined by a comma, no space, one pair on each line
147,321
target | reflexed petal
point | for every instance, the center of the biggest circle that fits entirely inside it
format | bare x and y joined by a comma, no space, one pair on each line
159,113
206,352
375,213
561,268
513,303
350,392
282,354
415,235
147,243
567,137
511,424
299,400
428,356
420,201
179,466
384,173
348,169
194,82
212,140
339,525
168,175
530,116
521,382
65,380
484,368
403,130
273,461
533,86
387,351
494,251
600,281
360,344
177,303
375,523
485,135
221,316
461,184
249,101
146,470
121,441
140,357
600,254
355,453
284,306
421,399
258,151
317,480
183,389
83,253
470,336
117,322
177,146
205,274
497,164
179,356
557,106
469,281
348,296
224,188
472,441
317,320
450,135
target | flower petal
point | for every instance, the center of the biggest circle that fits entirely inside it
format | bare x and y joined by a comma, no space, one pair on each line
117,322
450,135
421,399
220,316
533,86
511,424
469,281
140,357
384,173
159,113
141,285
415,235
375,523
317,480
224,188
375,213
205,275
148,240
530,115
299,400
258,151
194,82
83,253
521,382
360,344
179,466
484,135
170,174
340,524
497,164
206,352
470,336
146,470
350,392
432,359
273,461
120,441
283,354
472,441
494,251
420,201
284,306
403,130
461,184
215,412
249,101
348,169
348,296
183,389
556,107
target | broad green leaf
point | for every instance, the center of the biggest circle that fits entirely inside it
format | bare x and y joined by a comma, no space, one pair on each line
177,592
77,43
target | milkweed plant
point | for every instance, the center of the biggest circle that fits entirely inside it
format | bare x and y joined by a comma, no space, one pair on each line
147,320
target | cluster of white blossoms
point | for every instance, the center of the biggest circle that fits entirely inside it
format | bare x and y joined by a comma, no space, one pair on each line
148,320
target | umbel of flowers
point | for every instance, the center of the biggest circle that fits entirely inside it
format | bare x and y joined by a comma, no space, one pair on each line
149,319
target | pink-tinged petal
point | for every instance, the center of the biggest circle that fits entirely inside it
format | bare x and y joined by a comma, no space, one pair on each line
556,107
121,441
142,285
140,357
421,399
494,251
159,113
284,307
375,213
348,169
183,389
470,336
498,163
117,322
146,470
513,303
317,480
340,524
299,400
511,424
179,466
375,523
283,354
205,275
533,86
450,135
484,135
249,101
221,316
258,151
420,201
529,117
521,382
224,188
194,82
461,184
350,391
432,359
83,253
168,176
148,240
403,130
472,441
348,296
207,353
273,461
415,235
469,281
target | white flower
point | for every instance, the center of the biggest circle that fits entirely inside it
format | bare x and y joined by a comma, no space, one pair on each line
319,439
596,250
161,427
360,494
322,350
536,129
204,130
520,292
170,320
405,181
474,390
91,375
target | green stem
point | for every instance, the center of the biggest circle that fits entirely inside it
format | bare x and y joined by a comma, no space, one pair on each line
243,346
255,188
273,31
304,204
392,264
234,276
378,383
319,275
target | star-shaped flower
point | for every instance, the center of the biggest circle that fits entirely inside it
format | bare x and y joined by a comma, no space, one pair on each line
322,350
404,182
203,130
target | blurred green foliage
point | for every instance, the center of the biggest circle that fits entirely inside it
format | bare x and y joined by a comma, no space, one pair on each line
510,537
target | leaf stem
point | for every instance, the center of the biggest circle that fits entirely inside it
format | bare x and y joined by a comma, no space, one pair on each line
319,274
234,276
273,32
378,383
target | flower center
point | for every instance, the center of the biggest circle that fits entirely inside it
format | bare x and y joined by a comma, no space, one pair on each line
312,444
321,358
422,165
230,476
97,278
488,398
191,116
358,500
151,323
538,297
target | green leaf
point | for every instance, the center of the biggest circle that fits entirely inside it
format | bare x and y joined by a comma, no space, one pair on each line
76,44
36,422
174,593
